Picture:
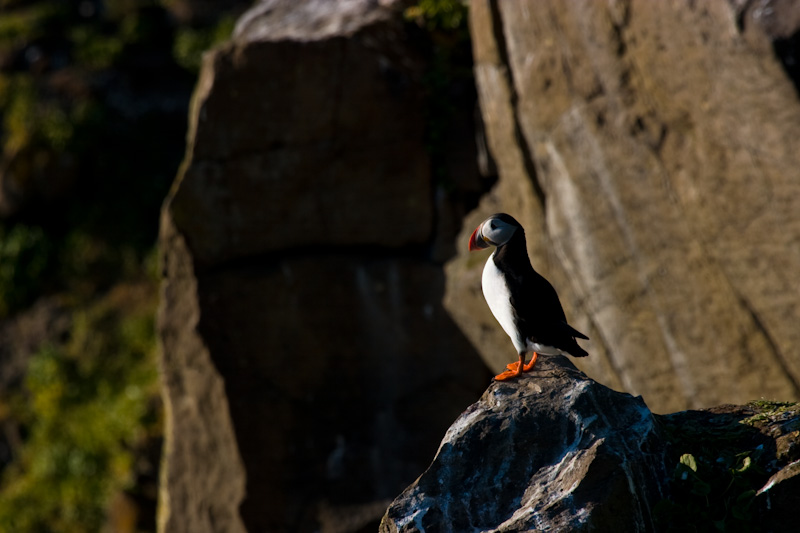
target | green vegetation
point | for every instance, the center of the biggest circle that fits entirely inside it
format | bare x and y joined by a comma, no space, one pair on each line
713,493
93,106
769,410
89,406
720,461
439,15
449,80
24,258
190,43
81,94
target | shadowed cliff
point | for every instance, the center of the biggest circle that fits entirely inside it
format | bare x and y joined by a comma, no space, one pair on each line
309,367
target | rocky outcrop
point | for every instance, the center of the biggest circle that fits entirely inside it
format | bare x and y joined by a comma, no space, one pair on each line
552,450
557,451
309,367
649,150
777,500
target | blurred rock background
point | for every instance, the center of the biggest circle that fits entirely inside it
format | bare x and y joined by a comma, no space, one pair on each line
338,155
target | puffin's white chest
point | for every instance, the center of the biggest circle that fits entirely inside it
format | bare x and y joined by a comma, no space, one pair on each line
497,295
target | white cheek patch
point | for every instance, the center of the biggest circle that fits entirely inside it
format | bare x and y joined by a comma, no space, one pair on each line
500,234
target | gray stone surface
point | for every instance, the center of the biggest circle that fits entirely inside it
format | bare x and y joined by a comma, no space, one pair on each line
550,451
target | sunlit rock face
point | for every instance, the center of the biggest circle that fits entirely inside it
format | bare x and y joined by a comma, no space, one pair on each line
551,451
649,150
309,367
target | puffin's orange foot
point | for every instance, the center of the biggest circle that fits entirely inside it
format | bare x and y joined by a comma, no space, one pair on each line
514,370
525,368
508,374
529,366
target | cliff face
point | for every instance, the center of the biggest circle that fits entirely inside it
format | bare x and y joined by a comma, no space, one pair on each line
309,367
649,150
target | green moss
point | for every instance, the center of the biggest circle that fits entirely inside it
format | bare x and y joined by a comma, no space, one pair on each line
770,410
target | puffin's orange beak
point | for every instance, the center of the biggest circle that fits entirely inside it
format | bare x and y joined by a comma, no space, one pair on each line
476,241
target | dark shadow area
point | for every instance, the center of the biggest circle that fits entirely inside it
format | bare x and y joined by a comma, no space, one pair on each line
719,458
788,52
343,373
342,369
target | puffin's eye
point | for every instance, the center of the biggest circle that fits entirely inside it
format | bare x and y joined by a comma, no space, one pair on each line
491,224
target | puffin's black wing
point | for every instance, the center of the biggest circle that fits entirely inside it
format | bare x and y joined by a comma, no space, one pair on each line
539,315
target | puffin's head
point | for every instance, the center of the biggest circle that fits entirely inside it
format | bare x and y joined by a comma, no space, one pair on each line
494,231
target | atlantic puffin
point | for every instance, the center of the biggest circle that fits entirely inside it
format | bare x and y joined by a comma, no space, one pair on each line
522,301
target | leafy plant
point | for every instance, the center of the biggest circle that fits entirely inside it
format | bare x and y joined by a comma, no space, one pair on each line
90,403
712,494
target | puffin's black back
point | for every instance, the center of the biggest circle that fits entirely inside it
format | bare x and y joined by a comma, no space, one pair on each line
538,314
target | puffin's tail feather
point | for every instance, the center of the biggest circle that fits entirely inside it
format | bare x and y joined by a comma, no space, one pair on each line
574,332
577,351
